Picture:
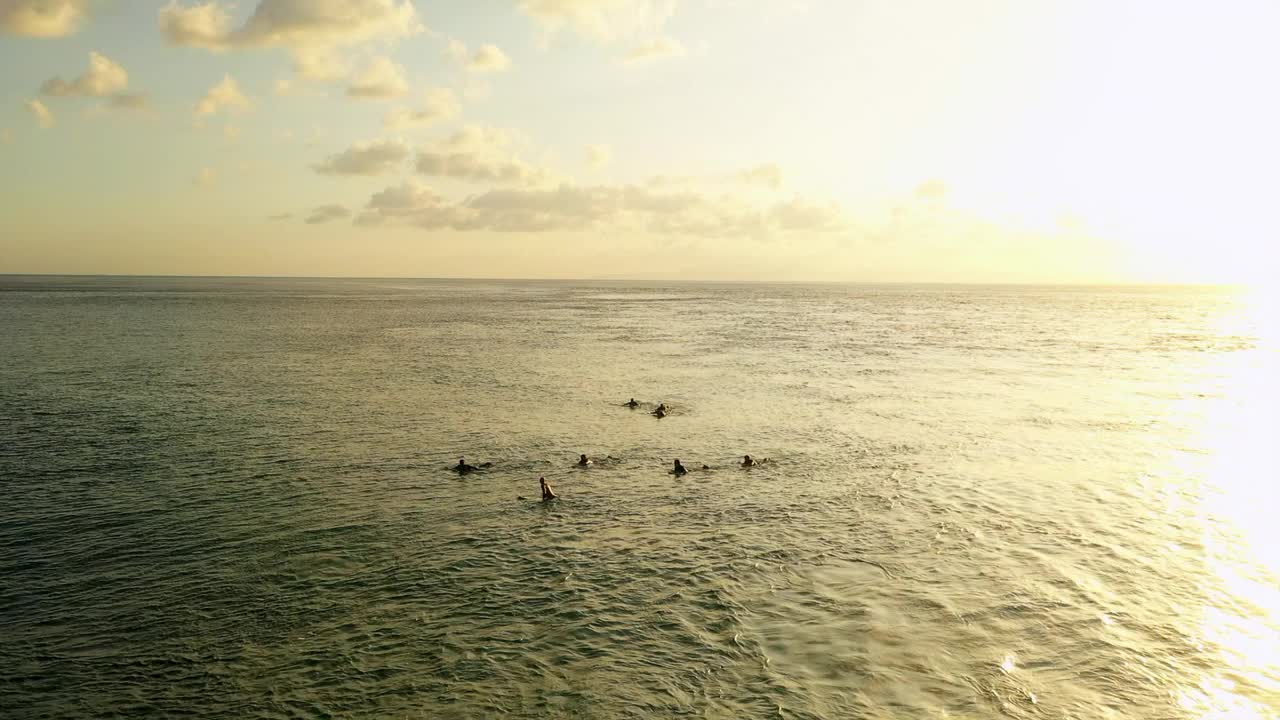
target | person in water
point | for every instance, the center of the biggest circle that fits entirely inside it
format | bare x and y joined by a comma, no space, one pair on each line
547,493
463,467
583,461
747,461
631,404
660,411
678,469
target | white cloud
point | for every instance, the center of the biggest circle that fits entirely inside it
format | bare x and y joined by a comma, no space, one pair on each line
381,79
489,58
42,18
205,25
366,158
798,214
663,48
408,200
932,189
104,77
42,114
599,156
205,178
290,23
327,213
569,208
477,154
311,29
441,104
226,94
600,20
769,175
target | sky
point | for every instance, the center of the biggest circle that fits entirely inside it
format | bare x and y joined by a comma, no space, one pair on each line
828,140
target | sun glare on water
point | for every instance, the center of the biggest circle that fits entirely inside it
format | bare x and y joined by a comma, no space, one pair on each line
1236,424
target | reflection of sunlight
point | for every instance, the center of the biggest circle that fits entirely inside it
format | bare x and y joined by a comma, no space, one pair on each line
1236,429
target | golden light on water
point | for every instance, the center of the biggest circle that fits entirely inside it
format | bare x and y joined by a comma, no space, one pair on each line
1236,427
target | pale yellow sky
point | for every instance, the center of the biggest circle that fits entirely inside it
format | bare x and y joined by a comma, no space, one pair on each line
716,139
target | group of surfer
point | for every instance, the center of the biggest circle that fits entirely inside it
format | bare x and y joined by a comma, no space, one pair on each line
463,467
747,461
658,412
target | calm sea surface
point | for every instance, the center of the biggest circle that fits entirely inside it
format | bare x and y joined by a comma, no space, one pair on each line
231,498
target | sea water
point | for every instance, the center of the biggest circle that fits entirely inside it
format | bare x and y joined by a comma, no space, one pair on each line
232,498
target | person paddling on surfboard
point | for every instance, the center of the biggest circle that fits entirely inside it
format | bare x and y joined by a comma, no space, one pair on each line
547,493
463,467
631,404
678,470
660,411
583,461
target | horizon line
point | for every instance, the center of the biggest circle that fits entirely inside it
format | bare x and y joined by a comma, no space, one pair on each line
1132,283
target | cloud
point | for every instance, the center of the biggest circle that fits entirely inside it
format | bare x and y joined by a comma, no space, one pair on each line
805,215
489,58
769,175
382,79
289,23
599,156
280,216
441,104
42,18
569,208
6,136
600,20
226,94
205,178
104,77
42,114
477,154
366,158
409,200
327,213
932,189
663,48
310,29
231,132
205,25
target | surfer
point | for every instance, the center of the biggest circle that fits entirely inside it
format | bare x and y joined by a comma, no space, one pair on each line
631,404
747,461
678,470
463,467
547,493
583,461
660,411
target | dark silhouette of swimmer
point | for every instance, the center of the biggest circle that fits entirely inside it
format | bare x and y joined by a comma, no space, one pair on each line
583,461
463,467
678,469
660,411
547,493
631,404
747,461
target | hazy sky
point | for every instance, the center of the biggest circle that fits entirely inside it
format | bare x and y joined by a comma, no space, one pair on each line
719,139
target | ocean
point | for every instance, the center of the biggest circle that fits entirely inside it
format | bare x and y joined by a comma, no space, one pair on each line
228,497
